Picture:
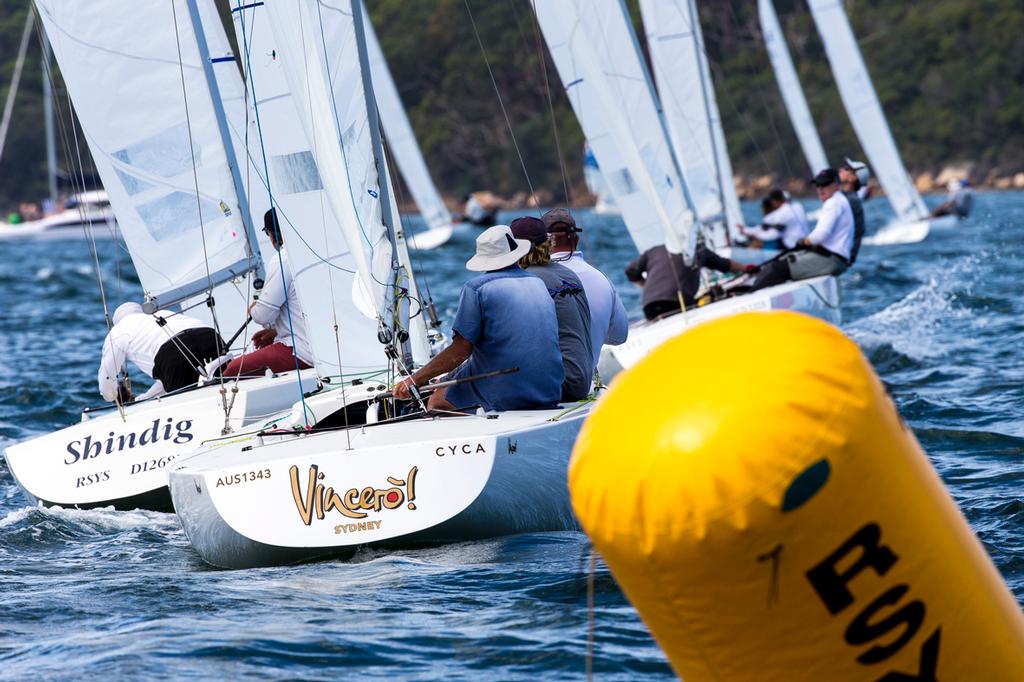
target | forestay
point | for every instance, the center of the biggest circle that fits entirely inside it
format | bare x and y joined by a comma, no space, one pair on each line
789,85
402,139
596,56
865,111
681,70
341,322
150,119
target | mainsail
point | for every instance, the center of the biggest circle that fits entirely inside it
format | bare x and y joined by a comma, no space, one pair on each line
340,320
155,129
402,139
597,59
789,85
864,110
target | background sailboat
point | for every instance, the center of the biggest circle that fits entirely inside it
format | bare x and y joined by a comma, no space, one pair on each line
865,112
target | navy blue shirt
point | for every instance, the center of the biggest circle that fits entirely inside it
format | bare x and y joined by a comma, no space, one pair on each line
509,318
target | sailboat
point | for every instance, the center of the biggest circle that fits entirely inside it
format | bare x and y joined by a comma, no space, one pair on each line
912,222
165,149
357,473
789,85
596,185
597,57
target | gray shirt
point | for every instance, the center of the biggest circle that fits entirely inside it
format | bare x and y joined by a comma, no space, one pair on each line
573,312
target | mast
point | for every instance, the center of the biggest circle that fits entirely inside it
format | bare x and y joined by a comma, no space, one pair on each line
12,91
225,136
51,144
387,216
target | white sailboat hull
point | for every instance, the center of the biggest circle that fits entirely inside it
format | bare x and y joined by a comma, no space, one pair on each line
913,232
818,297
68,224
107,460
267,501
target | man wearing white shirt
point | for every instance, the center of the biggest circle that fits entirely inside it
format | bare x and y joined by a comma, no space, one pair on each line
283,343
783,220
608,319
826,250
167,346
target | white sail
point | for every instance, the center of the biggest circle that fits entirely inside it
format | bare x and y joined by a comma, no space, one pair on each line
341,324
683,75
401,138
864,109
594,51
150,118
789,85
315,44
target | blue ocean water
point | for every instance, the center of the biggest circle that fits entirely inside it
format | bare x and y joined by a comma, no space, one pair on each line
122,595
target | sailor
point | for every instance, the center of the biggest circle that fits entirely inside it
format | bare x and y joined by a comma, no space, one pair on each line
609,324
571,307
167,346
959,200
784,221
666,279
853,176
282,344
826,250
506,319
476,212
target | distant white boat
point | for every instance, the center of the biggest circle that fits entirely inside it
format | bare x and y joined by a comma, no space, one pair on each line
85,216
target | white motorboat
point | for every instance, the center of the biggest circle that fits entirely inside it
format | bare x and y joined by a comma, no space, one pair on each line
818,297
87,215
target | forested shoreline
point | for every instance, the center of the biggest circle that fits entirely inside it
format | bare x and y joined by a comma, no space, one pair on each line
948,73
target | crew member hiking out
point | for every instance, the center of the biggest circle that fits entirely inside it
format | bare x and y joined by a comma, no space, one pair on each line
826,250
167,346
665,277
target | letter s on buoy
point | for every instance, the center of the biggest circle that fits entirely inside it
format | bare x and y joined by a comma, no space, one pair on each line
783,523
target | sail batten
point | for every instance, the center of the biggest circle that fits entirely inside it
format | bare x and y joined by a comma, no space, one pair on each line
864,109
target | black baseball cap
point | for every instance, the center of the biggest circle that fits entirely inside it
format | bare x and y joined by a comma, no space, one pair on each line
829,176
560,220
530,228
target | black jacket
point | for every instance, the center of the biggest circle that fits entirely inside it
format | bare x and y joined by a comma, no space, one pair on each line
667,274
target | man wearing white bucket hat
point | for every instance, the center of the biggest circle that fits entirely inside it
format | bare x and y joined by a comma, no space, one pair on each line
506,319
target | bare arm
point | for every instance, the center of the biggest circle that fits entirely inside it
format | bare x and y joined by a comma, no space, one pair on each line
442,363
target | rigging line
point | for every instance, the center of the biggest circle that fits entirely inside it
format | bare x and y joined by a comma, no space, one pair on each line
195,170
277,226
504,111
542,54
404,218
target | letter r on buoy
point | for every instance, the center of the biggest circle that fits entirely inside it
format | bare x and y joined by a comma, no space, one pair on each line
832,586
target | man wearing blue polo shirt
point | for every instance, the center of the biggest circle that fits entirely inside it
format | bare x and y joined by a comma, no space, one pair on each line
506,319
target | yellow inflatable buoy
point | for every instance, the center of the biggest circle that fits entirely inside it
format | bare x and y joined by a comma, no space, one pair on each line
775,519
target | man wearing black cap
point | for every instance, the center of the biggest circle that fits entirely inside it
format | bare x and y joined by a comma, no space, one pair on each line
571,307
608,320
826,250
853,176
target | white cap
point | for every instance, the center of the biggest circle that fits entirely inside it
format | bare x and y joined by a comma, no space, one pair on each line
126,309
497,248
